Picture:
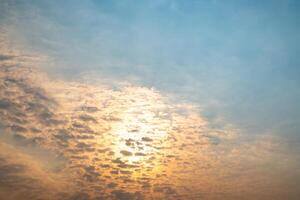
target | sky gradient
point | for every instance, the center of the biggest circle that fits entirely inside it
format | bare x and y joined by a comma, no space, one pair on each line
231,65
237,59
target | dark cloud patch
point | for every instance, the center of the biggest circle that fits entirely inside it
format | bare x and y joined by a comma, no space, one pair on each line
128,166
6,169
80,196
4,57
130,142
140,154
48,118
146,139
35,130
103,150
105,166
90,109
14,181
111,185
118,161
85,147
90,169
126,153
18,181
82,145
5,104
85,137
18,128
77,157
167,190
19,140
123,195
64,135
41,95
125,172
87,118
89,177
23,141
82,128
18,120
46,115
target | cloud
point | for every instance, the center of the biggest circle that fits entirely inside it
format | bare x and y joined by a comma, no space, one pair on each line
77,121
70,139
6,57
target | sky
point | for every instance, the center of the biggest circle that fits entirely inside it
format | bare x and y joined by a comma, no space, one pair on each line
234,62
236,59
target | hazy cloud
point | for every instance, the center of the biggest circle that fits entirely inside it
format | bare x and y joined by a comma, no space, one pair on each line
77,139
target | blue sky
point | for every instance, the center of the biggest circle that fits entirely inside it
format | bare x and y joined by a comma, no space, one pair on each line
237,60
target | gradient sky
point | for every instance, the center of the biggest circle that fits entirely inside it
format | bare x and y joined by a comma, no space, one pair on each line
237,60
158,99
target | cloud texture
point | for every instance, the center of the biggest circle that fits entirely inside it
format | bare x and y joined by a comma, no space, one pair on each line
78,139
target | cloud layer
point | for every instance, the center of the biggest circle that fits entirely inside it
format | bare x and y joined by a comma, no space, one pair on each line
83,140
